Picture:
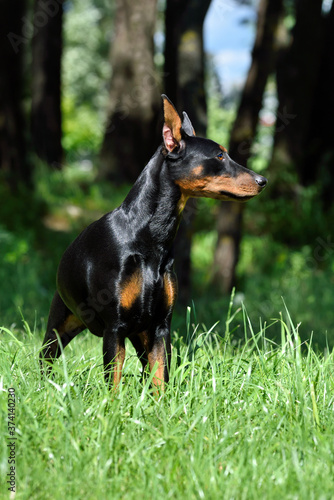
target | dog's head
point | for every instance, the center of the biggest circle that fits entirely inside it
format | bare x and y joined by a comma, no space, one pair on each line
201,167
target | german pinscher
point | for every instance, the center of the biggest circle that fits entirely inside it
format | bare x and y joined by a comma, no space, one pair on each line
116,278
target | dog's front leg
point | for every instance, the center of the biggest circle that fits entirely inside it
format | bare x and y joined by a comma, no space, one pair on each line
159,358
113,357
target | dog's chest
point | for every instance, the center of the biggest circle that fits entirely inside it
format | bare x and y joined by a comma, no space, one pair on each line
146,294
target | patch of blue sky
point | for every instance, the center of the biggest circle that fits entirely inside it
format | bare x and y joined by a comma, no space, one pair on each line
229,40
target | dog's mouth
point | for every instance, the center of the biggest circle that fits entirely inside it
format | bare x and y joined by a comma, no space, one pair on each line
236,197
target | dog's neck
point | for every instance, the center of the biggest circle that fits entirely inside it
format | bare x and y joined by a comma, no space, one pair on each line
156,199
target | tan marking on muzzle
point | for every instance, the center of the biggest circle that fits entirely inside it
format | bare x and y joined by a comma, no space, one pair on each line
242,186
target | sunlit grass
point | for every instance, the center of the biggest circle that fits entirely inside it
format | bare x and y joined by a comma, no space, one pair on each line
237,420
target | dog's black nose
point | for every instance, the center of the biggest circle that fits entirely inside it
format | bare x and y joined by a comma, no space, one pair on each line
261,181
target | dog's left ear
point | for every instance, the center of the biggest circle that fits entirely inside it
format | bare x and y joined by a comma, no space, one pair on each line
172,127
187,126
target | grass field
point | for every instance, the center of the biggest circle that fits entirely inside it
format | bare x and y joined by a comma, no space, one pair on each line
244,420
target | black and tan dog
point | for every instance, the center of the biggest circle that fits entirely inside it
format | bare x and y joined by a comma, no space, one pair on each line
116,278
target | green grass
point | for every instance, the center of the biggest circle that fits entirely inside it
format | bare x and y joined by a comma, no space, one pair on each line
238,420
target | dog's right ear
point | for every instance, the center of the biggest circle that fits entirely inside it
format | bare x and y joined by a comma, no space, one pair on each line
187,126
171,131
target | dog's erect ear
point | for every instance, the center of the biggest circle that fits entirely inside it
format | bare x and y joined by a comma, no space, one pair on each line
187,126
172,127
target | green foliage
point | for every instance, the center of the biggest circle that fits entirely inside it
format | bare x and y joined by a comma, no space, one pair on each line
252,421
24,284
220,120
86,72
82,129
294,216
86,69
268,271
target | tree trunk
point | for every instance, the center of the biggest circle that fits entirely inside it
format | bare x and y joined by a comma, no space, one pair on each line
243,132
319,157
184,84
315,155
46,81
13,162
297,72
132,133
173,19
184,58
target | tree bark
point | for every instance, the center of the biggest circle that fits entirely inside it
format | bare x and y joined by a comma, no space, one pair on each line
184,84
317,157
13,158
173,19
229,222
297,73
46,82
184,58
132,133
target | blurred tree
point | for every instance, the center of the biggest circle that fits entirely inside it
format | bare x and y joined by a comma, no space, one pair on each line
46,81
13,158
229,220
303,140
318,160
132,133
174,13
184,58
184,84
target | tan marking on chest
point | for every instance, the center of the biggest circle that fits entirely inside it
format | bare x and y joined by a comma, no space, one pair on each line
144,340
169,290
130,289
182,202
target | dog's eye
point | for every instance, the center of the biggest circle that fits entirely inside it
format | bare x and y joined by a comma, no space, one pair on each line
220,157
